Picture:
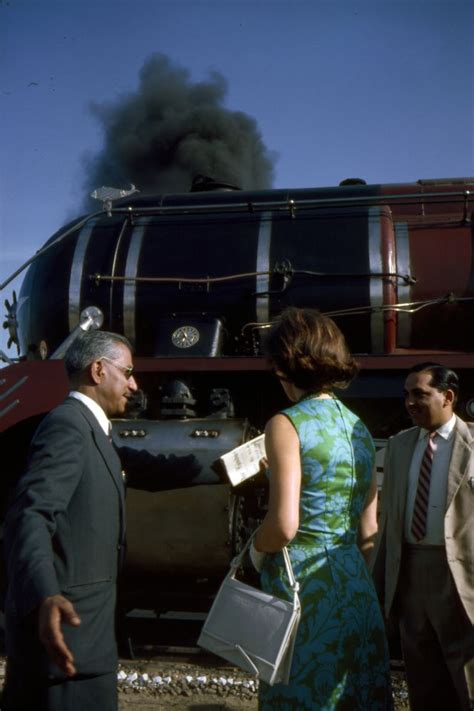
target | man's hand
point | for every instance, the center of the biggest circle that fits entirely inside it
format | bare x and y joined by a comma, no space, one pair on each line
53,612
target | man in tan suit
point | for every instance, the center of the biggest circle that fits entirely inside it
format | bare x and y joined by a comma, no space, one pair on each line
423,562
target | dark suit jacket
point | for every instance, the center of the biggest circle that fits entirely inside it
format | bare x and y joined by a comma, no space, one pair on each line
65,531
458,519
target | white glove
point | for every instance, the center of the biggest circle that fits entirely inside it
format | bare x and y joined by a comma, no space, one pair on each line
257,557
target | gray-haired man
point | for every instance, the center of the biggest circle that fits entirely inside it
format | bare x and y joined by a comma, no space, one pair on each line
64,535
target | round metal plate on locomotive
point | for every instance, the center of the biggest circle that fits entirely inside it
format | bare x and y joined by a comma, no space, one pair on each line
185,337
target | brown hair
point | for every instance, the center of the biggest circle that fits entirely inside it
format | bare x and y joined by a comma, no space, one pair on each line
310,351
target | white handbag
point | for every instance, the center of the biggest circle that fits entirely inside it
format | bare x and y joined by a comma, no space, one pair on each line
252,629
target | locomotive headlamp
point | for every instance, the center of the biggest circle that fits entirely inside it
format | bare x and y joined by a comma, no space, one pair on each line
91,319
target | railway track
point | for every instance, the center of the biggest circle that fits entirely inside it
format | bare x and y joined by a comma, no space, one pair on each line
162,662
161,667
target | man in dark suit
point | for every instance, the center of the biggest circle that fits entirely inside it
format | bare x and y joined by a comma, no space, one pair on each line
423,562
64,538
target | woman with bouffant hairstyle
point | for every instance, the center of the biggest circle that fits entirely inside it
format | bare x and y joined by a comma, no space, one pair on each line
322,506
310,350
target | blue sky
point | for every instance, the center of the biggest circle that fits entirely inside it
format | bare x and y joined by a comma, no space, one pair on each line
382,90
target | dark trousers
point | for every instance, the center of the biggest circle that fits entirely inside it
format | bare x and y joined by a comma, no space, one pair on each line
25,691
436,634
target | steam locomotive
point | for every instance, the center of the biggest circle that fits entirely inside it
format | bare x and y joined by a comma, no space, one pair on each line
194,280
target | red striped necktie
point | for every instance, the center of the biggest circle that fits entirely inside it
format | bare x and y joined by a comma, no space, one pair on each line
420,508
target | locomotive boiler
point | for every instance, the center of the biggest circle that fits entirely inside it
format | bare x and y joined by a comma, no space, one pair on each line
194,281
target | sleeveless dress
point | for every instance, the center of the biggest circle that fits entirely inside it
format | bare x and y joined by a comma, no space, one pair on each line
341,659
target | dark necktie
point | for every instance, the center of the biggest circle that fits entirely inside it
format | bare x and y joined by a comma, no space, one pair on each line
420,508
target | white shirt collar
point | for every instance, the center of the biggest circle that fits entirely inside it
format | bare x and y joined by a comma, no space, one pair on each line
95,408
444,431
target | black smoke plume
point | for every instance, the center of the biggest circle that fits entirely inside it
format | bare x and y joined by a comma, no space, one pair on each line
171,129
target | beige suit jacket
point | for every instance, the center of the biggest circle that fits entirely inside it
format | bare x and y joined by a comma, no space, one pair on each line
458,520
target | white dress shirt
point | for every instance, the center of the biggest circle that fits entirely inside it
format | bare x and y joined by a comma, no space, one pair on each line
442,450
95,408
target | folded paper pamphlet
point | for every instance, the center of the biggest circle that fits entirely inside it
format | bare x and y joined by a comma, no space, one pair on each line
243,462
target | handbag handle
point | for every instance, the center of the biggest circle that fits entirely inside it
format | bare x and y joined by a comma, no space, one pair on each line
237,561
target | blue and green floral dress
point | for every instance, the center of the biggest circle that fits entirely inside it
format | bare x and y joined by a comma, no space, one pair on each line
341,657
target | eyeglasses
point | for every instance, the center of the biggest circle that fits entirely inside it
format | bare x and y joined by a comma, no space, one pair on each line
127,370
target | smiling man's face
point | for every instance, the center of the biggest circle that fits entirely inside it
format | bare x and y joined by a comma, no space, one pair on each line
427,406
